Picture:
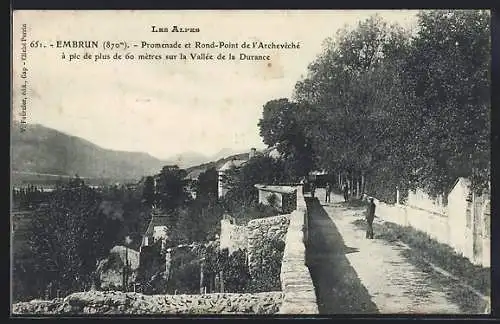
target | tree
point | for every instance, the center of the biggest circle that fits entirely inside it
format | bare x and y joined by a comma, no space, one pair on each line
403,111
207,189
281,125
148,193
350,96
449,75
171,188
241,181
68,237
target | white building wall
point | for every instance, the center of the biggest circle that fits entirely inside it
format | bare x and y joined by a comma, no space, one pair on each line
221,190
460,235
454,226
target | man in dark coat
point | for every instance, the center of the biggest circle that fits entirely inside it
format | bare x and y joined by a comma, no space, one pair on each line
370,215
345,190
328,192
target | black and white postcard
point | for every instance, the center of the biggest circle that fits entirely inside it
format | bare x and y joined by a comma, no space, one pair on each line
210,162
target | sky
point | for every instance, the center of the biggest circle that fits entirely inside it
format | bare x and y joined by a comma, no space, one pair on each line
168,107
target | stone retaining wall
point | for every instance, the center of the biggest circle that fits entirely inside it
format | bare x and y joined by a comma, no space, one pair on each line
266,243
296,281
276,252
98,302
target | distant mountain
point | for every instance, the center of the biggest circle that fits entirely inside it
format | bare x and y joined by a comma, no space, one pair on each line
225,152
188,159
44,150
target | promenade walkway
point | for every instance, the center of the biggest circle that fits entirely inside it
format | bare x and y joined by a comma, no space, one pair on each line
354,275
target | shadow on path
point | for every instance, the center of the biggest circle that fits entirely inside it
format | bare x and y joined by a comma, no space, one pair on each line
338,288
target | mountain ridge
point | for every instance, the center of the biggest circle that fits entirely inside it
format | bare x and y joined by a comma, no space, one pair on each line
40,153
41,149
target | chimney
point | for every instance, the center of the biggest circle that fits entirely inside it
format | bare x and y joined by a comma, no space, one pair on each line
253,151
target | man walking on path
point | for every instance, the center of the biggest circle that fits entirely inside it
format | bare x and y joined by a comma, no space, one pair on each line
328,191
345,190
370,215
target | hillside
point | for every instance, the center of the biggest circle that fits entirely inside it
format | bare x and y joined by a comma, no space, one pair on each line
188,159
44,150
194,172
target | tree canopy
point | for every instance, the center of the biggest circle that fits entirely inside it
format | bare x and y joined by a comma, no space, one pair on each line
403,110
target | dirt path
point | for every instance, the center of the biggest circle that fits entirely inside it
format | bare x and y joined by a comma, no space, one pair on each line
355,275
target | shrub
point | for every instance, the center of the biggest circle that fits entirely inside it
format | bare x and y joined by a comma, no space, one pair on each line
272,199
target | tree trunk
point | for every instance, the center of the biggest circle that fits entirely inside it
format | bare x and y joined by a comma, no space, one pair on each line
357,188
362,183
126,269
221,281
201,278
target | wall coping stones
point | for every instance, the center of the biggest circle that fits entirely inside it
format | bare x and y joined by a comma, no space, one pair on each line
296,281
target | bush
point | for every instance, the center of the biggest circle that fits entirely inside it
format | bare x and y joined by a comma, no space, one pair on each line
272,200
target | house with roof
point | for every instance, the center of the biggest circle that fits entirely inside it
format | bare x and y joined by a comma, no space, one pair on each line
157,230
238,162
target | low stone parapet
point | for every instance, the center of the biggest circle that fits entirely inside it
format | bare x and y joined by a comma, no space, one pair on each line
112,302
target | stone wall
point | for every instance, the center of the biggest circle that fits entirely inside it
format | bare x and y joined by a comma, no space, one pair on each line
266,243
296,282
98,302
428,221
457,225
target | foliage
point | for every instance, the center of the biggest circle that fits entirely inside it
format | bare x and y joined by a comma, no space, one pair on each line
128,206
198,222
241,181
396,109
170,188
207,189
187,277
151,272
148,193
272,199
280,125
449,74
68,237
24,284
236,276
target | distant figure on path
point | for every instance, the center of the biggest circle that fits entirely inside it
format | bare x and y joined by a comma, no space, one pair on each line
345,190
305,185
370,215
328,191
313,188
